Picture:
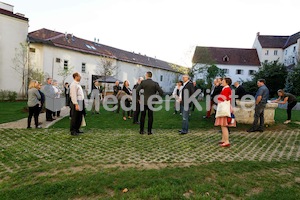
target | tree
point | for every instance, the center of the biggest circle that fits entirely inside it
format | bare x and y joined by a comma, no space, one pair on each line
105,67
273,72
36,74
21,64
212,72
64,72
293,80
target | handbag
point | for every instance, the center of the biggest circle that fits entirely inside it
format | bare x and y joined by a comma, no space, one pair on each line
223,109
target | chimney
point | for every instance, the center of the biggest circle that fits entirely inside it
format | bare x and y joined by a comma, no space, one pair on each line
258,33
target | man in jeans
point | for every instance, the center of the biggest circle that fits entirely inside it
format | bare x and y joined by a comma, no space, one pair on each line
261,97
187,91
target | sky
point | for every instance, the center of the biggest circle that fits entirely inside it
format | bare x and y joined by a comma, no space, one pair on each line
166,29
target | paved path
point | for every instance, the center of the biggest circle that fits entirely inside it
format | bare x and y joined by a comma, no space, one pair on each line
22,123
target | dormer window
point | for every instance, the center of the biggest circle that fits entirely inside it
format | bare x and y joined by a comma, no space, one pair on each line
226,59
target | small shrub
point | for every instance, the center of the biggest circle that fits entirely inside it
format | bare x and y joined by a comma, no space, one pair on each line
8,95
298,98
3,95
12,95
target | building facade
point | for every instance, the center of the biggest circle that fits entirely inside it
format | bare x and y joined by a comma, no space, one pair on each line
52,51
238,64
285,49
13,31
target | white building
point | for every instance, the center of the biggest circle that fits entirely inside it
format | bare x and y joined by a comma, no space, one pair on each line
238,64
285,49
51,51
13,31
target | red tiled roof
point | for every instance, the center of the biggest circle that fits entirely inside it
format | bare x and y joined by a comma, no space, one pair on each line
71,42
226,56
11,14
272,41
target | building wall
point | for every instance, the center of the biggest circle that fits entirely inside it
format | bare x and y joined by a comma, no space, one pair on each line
13,32
291,54
258,47
45,57
268,54
232,72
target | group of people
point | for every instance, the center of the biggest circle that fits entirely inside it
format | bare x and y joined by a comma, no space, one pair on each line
37,96
185,89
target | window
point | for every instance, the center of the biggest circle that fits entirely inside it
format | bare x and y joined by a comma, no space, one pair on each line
32,50
251,72
226,58
294,50
161,77
83,68
239,71
65,64
226,71
57,60
285,52
275,52
267,52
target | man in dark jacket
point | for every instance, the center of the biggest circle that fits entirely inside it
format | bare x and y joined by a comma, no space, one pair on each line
186,92
137,105
150,88
117,88
239,90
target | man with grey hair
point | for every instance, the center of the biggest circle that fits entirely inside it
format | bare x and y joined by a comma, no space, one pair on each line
186,92
137,107
49,92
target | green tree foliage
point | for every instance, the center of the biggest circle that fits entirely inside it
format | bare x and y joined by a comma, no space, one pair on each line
275,75
293,80
212,72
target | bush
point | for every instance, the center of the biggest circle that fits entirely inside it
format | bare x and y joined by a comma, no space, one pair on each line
8,95
12,96
3,95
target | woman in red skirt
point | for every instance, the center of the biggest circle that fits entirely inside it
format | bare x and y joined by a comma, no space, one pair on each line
224,122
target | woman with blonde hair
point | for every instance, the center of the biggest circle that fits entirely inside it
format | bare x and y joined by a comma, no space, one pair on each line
225,122
33,103
283,98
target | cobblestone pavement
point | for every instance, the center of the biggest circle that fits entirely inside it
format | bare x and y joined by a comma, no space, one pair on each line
31,149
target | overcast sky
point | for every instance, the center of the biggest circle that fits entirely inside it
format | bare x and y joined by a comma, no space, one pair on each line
166,29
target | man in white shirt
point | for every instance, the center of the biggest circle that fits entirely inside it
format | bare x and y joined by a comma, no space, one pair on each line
77,104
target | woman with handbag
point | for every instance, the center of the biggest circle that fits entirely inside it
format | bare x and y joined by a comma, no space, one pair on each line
224,114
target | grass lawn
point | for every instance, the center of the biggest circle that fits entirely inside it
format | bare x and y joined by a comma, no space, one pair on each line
111,156
12,111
